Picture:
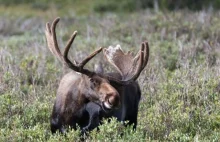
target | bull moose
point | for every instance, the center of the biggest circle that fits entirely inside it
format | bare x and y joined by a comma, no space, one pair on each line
84,97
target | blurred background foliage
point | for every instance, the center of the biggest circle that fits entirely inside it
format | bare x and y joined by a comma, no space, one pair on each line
123,5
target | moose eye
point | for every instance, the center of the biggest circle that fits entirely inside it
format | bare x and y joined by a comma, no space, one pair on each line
92,80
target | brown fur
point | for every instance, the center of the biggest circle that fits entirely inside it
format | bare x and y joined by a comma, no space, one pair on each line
74,92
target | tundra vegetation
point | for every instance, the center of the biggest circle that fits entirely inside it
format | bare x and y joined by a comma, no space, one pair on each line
180,85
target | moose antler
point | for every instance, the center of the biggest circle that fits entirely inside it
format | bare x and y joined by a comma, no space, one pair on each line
128,66
54,48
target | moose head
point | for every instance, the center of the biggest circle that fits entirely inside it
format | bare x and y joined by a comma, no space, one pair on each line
82,86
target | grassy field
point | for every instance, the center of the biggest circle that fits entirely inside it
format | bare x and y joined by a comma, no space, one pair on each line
180,85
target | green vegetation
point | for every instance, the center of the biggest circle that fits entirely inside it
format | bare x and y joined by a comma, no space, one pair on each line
180,85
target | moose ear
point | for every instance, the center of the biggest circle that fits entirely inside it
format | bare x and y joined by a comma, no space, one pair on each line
98,68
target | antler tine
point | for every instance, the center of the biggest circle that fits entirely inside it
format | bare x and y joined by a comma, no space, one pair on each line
140,65
66,51
54,48
53,32
87,59
80,66
146,53
69,43
144,56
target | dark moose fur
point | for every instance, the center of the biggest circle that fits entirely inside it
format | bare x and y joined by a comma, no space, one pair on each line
90,115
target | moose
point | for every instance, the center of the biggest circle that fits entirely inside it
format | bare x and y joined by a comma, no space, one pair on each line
84,97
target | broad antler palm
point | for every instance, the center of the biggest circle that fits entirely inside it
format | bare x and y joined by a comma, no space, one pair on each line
128,66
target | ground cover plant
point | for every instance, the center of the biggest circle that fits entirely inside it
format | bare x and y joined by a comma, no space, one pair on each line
180,85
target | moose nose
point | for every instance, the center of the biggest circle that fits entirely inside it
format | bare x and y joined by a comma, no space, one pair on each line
114,99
